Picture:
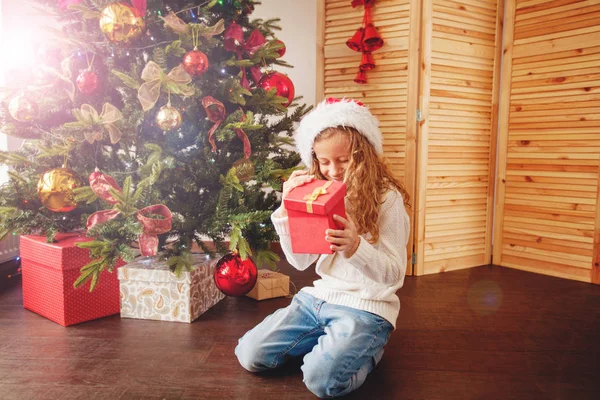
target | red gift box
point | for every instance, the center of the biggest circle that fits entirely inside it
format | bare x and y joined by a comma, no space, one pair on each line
49,271
310,209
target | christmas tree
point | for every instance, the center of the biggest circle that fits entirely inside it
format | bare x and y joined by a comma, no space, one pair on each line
146,121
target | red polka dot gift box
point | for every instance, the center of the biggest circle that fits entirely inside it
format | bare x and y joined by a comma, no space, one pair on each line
49,271
310,209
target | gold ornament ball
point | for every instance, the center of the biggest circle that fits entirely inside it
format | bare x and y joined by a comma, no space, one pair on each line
55,189
121,23
168,118
22,109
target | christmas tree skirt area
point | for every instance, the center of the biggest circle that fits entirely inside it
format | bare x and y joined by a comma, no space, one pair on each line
486,332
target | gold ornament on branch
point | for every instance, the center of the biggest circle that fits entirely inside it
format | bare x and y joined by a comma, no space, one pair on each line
121,23
55,189
22,109
168,118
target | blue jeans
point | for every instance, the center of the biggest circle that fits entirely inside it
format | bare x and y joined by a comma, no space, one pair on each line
340,345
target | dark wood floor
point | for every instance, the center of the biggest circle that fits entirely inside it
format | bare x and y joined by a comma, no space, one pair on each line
483,333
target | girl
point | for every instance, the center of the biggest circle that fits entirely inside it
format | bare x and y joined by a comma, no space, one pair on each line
341,324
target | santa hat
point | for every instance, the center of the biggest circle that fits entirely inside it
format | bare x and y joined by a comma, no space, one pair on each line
331,113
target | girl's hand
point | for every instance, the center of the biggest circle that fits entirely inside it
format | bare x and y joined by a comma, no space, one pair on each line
297,178
345,240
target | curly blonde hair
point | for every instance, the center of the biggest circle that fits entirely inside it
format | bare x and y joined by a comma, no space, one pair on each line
367,177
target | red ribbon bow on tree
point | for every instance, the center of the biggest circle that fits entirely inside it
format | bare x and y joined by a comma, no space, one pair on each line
234,41
102,184
215,111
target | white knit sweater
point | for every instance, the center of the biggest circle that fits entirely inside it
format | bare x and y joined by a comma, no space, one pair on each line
369,279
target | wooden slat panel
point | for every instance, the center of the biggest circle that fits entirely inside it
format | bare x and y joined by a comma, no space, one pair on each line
387,93
459,158
548,208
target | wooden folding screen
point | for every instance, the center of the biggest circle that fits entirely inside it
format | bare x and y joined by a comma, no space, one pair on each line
388,92
548,211
436,90
456,158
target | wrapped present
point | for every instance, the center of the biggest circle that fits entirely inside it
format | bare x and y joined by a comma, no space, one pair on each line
310,208
270,284
149,290
49,271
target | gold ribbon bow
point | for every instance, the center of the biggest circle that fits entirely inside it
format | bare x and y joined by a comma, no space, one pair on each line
175,81
175,23
87,117
310,198
179,26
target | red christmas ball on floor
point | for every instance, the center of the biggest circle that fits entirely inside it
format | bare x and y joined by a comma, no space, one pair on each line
234,276
283,85
195,62
87,82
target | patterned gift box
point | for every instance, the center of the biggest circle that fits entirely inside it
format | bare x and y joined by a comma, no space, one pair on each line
49,271
269,285
149,290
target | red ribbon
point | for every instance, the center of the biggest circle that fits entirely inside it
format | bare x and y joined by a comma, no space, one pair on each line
102,184
366,3
234,41
215,111
244,138
140,5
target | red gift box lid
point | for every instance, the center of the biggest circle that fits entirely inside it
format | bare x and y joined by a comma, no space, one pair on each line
330,193
58,254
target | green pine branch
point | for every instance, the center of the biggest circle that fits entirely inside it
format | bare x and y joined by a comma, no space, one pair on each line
180,262
266,258
130,81
12,159
105,255
174,49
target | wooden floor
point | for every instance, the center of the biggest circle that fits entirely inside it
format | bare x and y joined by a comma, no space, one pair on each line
483,333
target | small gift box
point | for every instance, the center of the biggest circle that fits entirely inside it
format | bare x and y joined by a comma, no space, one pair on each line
49,271
270,284
149,290
310,208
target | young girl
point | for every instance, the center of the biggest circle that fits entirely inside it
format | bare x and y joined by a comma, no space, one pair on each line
340,325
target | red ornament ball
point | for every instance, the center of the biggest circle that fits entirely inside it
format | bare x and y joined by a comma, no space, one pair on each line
234,276
87,82
195,62
282,84
281,51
